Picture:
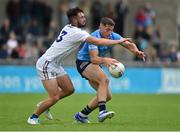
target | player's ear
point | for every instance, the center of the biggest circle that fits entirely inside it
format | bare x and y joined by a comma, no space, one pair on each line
74,20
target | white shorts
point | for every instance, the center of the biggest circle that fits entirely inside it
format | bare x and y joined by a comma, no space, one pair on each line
48,70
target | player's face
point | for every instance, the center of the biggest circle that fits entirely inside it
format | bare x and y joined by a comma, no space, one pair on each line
106,30
81,19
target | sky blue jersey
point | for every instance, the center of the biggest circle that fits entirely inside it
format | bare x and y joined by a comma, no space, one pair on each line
83,53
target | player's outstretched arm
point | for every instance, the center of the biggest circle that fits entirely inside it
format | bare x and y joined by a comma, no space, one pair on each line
133,48
105,42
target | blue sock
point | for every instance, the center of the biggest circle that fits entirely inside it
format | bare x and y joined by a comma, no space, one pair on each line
34,116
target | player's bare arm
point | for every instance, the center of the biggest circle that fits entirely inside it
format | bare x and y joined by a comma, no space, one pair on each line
105,42
95,59
133,48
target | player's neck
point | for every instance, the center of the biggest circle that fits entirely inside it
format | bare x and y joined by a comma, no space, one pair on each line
74,24
103,36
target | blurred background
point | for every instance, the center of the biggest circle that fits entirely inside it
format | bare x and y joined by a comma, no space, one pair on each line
29,27
146,97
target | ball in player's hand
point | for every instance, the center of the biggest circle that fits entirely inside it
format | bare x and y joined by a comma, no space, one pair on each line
117,70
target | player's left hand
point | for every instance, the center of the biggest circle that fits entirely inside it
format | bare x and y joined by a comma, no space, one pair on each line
125,40
141,54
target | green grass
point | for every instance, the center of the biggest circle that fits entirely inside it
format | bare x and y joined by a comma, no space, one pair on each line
133,112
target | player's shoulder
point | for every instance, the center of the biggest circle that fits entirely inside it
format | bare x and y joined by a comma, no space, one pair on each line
115,35
96,34
70,27
75,30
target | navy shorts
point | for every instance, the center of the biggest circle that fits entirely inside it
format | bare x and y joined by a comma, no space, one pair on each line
81,66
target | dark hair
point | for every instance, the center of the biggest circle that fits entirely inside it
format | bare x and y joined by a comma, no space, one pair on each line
73,12
107,21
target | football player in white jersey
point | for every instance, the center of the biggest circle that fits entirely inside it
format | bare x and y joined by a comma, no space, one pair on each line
55,80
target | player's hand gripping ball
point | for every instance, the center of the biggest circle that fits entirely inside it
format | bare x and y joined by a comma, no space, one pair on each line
117,70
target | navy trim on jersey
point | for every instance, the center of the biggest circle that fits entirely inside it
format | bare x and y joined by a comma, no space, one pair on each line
45,70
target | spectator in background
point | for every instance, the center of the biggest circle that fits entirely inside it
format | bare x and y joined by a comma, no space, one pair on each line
12,43
152,56
36,10
3,51
145,16
96,10
41,50
22,49
84,5
15,54
156,39
178,56
5,31
25,18
25,9
141,35
164,56
63,6
51,34
146,33
173,55
142,38
140,17
109,11
34,28
13,12
150,14
32,50
46,19
121,9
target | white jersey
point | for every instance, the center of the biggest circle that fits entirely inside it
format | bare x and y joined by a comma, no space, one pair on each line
68,40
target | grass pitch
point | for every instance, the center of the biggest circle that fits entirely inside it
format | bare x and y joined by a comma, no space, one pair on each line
133,112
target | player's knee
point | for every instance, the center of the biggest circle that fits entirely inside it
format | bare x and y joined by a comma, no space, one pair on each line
107,81
55,98
104,80
71,91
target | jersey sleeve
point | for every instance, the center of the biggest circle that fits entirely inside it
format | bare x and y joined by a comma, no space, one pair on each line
92,47
116,36
82,36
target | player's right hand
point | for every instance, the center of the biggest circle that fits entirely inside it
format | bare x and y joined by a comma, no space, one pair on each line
141,54
111,61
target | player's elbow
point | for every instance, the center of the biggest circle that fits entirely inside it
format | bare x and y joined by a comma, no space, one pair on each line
94,60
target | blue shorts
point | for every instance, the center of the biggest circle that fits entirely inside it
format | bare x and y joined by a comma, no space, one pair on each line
81,66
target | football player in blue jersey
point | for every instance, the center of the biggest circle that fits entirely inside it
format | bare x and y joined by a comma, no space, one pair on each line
89,60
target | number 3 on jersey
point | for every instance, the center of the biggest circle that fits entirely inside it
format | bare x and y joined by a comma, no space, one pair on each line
60,37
